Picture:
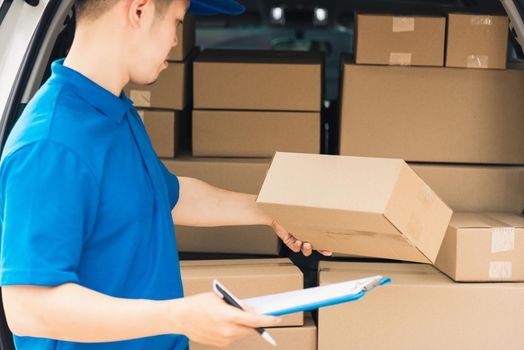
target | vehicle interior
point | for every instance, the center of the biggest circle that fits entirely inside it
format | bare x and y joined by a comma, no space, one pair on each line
302,25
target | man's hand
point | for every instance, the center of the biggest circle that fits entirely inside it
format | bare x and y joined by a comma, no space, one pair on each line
207,319
294,244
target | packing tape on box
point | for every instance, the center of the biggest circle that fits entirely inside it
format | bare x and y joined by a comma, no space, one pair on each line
141,98
500,270
502,239
481,20
477,61
403,24
400,59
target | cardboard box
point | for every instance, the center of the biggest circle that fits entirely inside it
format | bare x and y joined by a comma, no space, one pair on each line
287,338
394,40
421,309
472,188
364,206
430,114
258,80
185,33
483,247
477,41
245,279
163,130
254,133
240,175
258,240
172,89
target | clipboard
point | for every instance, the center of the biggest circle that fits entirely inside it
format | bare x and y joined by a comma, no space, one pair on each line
313,298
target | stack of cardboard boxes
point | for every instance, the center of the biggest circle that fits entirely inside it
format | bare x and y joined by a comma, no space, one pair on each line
254,103
247,105
459,126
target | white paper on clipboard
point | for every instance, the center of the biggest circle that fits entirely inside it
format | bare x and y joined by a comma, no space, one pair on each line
312,298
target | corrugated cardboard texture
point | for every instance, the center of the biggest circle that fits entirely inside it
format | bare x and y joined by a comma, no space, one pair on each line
172,89
287,338
258,80
477,41
433,114
254,133
352,205
476,188
245,279
240,175
421,309
163,130
392,40
186,39
483,247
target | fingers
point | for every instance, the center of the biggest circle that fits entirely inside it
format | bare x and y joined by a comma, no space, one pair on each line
326,252
253,320
233,332
294,244
298,246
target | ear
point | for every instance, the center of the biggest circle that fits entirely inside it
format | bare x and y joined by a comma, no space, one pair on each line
138,9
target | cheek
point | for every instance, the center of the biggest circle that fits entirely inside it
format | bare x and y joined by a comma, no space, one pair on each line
168,40
170,37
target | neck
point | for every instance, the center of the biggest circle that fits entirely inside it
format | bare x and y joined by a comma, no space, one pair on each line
98,56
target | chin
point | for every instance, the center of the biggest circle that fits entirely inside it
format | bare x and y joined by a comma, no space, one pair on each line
151,81
149,77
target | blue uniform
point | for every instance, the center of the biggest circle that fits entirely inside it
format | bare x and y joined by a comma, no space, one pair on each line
85,199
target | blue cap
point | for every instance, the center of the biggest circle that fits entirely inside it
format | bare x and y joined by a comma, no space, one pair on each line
215,7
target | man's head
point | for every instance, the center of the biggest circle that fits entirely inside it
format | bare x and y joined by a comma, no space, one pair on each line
139,34
136,35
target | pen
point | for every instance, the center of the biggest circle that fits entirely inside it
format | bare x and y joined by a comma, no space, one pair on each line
223,293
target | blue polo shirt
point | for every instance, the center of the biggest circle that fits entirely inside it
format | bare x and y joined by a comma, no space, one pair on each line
84,199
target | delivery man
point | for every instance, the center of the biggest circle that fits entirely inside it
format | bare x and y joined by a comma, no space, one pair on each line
88,255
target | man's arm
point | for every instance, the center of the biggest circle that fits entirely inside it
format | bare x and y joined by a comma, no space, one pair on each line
71,312
201,204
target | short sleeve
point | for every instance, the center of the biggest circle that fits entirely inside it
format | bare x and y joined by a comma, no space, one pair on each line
173,186
49,199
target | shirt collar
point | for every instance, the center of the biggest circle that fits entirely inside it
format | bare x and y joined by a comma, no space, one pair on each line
112,106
